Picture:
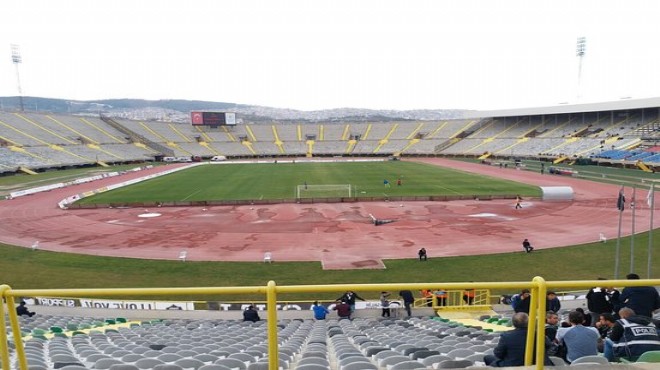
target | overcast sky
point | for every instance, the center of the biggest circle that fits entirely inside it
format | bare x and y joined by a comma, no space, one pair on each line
310,54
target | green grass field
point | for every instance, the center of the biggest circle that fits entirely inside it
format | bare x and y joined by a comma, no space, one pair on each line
23,268
279,181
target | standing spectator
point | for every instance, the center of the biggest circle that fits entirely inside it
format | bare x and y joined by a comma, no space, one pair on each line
22,310
319,311
527,246
386,182
349,298
580,341
468,296
422,254
250,314
441,297
641,299
343,310
398,182
385,303
599,301
552,302
428,295
510,350
521,304
631,336
408,300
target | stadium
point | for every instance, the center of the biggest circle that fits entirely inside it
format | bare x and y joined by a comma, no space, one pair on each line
334,226
396,187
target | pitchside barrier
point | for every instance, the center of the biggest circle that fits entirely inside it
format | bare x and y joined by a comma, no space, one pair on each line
538,288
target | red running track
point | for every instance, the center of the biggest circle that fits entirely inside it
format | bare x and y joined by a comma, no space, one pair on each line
339,235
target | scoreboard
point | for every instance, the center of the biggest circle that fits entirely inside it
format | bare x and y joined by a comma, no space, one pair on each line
213,118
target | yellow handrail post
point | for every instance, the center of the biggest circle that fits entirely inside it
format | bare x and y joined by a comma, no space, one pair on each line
271,305
529,343
16,330
540,323
3,328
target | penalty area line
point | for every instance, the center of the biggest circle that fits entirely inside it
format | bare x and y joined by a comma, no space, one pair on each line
191,194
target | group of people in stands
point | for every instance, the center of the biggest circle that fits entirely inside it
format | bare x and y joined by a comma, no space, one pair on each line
619,325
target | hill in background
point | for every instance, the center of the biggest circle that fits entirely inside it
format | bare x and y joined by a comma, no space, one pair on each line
179,110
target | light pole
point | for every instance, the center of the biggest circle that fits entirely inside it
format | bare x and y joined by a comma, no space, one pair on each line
16,59
580,49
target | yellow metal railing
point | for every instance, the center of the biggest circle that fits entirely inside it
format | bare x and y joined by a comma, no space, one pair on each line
538,287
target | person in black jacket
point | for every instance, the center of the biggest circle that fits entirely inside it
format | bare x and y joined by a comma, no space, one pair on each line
22,310
349,298
251,314
510,350
641,299
599,301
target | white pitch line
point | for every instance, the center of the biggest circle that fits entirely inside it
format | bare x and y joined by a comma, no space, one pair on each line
191,194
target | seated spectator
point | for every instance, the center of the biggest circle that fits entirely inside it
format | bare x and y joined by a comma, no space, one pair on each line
579,340
510,350
631,336
250,314
343,310
604,325
587,318
22,310
552,302
551,325
520,302
319,311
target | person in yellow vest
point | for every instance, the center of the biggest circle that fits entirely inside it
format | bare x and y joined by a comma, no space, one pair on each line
468,296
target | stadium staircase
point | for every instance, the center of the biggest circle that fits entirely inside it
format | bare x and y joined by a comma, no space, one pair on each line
310,148
560,159
138,139
26,170
643,166
385,140
278,142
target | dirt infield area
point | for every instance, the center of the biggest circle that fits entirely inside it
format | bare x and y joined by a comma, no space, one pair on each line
341,236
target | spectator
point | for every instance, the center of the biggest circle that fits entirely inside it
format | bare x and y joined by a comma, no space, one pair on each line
250,314
521,302
428,295
604,325
641,299
343,310
441,297
599,301
527,246
468,296
385,303
510,350
319,311
552,302
631,336
408,300
422,254
349,298
586,319
551,325
579,340
22,310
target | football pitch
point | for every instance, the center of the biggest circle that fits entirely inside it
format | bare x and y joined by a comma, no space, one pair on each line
268,181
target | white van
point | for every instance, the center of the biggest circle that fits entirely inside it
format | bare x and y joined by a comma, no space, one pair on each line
218,158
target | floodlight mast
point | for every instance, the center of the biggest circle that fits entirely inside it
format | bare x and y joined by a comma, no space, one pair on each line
579,52
16,59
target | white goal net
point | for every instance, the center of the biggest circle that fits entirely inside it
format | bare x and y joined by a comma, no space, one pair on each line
324,191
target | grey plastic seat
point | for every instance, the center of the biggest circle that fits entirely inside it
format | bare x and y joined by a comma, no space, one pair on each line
124,367
148,363
231,363
392,360
591,360
359,365
189,363
454,364
407,365
217,367
313,367
460,353
313,360
429,361
167,367
557,361
105,363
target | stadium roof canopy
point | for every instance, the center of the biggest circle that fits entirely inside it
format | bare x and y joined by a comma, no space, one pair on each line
623,104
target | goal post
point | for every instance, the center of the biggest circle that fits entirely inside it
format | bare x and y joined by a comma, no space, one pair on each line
324,191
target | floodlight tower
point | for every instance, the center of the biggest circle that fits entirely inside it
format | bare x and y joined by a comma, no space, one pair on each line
16,59
579,52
